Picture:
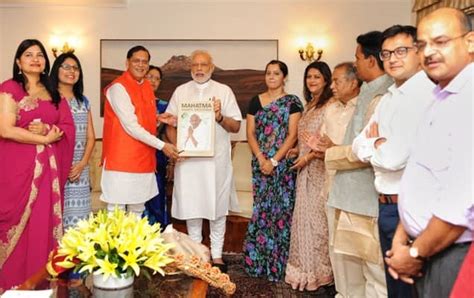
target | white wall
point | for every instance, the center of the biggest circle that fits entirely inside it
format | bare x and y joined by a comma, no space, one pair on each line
339,21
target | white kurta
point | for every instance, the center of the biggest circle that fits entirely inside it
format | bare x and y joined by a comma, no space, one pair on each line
204,186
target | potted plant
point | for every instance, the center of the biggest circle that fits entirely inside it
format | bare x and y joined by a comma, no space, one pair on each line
113,247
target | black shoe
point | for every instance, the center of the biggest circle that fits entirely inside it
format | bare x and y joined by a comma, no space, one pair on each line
222,267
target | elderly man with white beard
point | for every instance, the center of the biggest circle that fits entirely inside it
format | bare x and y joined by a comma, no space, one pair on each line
203,187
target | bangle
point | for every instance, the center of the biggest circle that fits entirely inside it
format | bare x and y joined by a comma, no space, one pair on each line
220,120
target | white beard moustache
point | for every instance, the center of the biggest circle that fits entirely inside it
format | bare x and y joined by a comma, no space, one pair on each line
201,80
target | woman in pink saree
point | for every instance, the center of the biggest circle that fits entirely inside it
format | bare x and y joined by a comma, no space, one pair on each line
36,147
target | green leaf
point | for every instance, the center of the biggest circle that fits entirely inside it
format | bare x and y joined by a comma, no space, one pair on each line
145,273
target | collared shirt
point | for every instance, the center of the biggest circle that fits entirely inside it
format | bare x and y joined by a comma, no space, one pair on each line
438,177
122,187
397,115
336,118
353,189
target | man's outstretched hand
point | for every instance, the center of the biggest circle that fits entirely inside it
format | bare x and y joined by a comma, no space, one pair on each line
170,151
167,118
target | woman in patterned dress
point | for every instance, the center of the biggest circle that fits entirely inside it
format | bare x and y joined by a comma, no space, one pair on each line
308,265
66,75
271,131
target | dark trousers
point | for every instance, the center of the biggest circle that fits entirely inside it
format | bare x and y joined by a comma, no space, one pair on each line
387,222
156,209
440,272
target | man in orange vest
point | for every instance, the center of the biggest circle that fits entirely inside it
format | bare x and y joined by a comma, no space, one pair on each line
129,137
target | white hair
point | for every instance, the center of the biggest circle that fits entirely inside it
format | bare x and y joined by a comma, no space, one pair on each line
202,52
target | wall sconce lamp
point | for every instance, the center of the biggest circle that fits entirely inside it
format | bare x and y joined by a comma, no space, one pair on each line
65,49
308,53
63,45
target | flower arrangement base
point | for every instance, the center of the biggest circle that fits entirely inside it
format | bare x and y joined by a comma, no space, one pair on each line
113,286
99,245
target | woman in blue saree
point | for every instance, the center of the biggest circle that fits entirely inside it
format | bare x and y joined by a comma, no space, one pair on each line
156,209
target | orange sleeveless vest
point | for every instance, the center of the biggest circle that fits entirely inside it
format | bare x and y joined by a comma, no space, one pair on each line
120,151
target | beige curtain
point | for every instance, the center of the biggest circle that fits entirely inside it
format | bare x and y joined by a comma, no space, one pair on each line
424,7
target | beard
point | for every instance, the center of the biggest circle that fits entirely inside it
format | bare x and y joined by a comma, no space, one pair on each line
201,79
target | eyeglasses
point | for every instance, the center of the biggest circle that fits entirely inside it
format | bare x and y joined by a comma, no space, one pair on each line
438,43
153,78
68,67
400,52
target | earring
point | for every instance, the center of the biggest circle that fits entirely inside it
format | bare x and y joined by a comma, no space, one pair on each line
19,71
43,72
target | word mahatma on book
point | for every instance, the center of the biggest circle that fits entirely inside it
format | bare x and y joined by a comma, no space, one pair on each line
196,128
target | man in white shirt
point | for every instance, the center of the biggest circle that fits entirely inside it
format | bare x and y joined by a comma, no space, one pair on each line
129,142
386,140
204,186
436,195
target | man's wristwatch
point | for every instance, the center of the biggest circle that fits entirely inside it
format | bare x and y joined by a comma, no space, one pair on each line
274,162
413,251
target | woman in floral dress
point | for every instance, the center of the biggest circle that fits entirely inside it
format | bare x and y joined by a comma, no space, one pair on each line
308,265
272,122
66,75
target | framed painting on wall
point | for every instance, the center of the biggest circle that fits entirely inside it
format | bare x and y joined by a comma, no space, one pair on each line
239,63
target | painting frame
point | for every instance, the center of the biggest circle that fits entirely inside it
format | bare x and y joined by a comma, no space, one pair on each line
227,55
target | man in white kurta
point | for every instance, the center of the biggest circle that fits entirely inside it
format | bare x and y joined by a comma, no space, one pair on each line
203,187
